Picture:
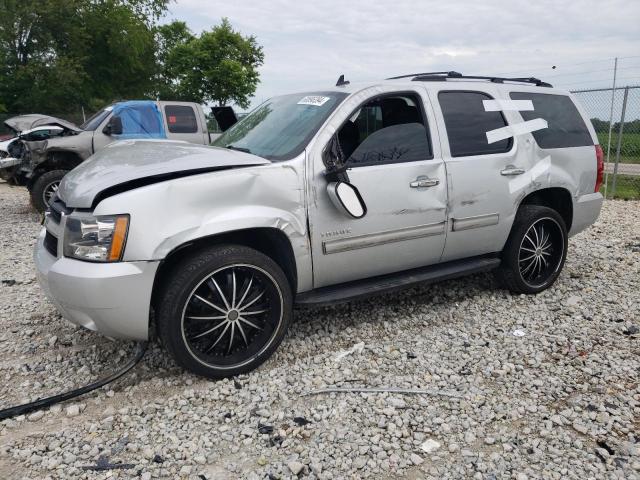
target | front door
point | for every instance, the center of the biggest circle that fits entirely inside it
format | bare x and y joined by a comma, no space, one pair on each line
400,175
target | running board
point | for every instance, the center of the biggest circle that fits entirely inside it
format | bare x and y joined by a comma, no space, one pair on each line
358,289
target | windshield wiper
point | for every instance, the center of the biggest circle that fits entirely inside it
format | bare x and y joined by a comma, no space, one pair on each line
239,149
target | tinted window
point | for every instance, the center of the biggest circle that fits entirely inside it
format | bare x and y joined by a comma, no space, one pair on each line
386,130
181,119
467,124
566,127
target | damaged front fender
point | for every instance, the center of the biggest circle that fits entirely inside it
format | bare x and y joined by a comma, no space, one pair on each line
169,214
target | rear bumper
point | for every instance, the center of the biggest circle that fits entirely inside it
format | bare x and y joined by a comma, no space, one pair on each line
585,211
110,298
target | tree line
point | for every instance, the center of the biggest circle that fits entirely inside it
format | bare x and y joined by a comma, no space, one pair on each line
602,126
57,56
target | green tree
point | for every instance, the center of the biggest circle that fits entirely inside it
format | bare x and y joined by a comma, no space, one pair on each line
168,37
219,66
56,55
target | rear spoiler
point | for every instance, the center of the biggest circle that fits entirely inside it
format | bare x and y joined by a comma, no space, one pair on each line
225,116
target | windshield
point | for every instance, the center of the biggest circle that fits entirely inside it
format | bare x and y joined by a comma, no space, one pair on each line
281,127
95,120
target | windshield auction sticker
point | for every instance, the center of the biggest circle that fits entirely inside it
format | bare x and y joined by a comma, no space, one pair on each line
315,100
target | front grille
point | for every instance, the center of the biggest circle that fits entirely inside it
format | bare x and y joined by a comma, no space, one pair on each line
51,244
57,208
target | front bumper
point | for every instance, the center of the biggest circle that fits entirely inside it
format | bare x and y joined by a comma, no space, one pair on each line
8,162
110,298
586,209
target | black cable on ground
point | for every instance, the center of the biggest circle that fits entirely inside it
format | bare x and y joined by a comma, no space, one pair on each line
10,412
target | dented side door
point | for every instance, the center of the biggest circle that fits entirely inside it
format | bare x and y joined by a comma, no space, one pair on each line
405,224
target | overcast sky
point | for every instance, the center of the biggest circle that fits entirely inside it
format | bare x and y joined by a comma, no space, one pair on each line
308,44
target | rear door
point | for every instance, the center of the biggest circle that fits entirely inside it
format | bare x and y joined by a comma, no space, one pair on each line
481,175
400,175
183,122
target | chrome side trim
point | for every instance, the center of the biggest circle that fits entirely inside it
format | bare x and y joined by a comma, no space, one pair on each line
381,238
478,221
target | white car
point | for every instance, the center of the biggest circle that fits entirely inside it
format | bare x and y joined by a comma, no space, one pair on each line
316,198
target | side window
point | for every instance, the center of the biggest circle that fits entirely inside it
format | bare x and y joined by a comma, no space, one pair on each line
181,119
467,124
566,128
388,129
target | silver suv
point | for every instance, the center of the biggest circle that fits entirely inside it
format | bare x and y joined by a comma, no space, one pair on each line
317,198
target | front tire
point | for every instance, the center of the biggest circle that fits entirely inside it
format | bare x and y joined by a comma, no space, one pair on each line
224,310
535,251
45,187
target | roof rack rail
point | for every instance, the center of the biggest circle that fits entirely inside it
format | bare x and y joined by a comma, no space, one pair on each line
443,76
452,74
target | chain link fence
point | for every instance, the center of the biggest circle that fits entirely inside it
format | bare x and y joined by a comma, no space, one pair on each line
620,137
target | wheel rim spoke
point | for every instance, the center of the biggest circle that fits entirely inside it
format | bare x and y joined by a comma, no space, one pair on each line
257,312
233,290
217,317
244,295
531,263
211,330
219,290
204,300
528,238
233,329
220,337
542,259
251,324
251,302
241,330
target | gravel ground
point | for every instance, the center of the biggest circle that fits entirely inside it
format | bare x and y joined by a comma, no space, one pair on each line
542,386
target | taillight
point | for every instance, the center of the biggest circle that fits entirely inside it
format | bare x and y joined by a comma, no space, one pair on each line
600,166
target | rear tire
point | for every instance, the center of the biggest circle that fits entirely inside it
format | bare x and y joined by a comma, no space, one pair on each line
224,310
536,250
45,186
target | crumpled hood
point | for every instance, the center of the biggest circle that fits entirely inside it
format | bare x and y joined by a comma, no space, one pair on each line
26,122
133,163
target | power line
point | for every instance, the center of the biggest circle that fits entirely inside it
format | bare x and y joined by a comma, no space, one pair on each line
592,71
599,80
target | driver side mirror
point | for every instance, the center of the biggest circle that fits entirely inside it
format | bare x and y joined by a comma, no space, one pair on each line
346,198
114,127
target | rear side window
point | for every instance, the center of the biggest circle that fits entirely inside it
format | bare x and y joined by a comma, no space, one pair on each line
181,119
467,124
566,126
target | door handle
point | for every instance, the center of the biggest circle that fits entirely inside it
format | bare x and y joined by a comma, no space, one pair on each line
423,182
510,170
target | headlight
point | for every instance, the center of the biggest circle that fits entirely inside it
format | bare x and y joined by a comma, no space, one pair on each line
96,239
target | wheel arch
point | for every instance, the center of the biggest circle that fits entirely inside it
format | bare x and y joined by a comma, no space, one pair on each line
557,198
56,160
272,242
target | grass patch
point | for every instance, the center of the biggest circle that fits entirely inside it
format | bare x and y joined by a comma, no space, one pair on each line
627,187
629,148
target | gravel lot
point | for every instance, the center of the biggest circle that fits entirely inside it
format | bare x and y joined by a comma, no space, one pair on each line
560,401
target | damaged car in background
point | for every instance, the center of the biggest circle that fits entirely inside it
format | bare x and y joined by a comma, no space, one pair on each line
46,148
318,198
26,130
